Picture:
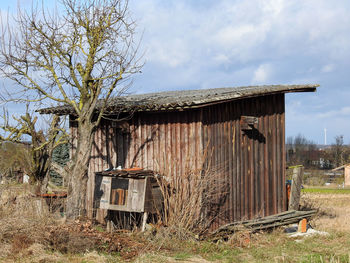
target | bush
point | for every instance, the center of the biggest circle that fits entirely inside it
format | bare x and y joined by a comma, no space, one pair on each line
190,197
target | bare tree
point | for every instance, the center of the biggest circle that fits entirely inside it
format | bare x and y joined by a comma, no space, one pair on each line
301,151
79,56
337,151
39,151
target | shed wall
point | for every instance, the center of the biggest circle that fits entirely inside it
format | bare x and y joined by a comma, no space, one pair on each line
250,163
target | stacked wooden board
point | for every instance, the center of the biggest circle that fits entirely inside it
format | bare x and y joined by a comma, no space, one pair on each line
264,223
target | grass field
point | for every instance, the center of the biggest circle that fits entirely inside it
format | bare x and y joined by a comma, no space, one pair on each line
19,240
319,190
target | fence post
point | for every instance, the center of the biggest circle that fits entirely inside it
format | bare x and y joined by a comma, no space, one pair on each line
297,179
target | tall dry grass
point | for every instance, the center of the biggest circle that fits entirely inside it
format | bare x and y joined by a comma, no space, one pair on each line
191,196
333,211
23,219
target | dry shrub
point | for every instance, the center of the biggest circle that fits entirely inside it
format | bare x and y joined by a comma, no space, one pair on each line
309,201
81,237
240,239
21,242
19,201
66,242
191,197
23,219
27,228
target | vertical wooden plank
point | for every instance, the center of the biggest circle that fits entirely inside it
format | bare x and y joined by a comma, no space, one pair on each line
174,146
169,148
144,142
181,147
154,140
149,142
126,149
205,138
239,185
196,140
201,146
246,151
191,141
131,152
224,165
270,156
177,146
274,154
229,147
261,159
284,196
138,150
225,145
281,194
278,155
161,148
256,162
215,163
251,161
240,164
216,116
113,141
233,151
266,160
107,145
185,146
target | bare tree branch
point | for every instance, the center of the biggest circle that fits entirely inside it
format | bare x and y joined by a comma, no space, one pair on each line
80,56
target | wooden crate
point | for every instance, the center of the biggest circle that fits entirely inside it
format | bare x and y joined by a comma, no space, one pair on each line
129,194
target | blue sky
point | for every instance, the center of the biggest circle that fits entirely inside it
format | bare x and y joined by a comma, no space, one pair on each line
212,44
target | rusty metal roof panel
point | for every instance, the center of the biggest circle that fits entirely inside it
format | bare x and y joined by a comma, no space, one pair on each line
172,100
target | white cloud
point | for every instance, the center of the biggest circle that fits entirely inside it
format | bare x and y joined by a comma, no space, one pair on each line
183,32
172,54
344,111
262,74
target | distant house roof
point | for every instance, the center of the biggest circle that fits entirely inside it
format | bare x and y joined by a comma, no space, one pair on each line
184,99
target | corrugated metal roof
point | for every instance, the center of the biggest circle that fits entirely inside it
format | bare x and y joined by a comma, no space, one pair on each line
183,99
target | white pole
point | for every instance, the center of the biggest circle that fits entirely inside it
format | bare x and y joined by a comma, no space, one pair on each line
325,136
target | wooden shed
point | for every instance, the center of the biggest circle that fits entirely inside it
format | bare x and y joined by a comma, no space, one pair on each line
242,128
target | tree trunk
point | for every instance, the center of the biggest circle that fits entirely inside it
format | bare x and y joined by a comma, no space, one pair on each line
59,169
77,181
44,183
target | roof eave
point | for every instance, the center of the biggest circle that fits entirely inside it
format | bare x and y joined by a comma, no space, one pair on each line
288,89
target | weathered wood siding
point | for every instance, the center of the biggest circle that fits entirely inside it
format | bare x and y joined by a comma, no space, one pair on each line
250,163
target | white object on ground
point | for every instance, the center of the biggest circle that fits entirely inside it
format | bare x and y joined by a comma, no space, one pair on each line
26,179
309,232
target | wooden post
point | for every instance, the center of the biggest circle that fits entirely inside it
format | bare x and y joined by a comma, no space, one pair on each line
297,179
347,175
109,221
144,221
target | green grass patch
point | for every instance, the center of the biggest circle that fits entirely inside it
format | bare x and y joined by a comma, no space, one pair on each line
326,190
182,256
